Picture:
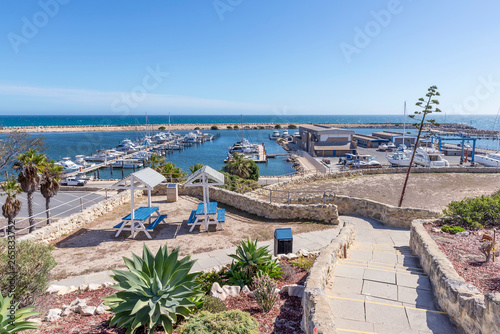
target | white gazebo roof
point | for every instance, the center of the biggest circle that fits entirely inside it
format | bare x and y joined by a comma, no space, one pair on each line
213,177
145,179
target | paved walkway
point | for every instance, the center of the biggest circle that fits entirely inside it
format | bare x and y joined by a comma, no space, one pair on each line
381,287
309,241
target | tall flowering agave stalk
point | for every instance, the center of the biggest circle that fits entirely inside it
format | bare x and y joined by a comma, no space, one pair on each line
155,290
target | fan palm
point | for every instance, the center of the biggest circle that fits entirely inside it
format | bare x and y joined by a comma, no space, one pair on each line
239,166
172,172
12,205
49,186
196,167
156,161
29,165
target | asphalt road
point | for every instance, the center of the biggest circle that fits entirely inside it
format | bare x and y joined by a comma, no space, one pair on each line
62,205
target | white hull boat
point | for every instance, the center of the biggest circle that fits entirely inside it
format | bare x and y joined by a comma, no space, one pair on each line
428,157
490,160
399,159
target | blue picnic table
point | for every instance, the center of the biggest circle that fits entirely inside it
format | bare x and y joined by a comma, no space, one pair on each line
212,216
141,215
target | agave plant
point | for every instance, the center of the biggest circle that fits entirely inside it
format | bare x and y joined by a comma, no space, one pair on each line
18,324
250,262
155,290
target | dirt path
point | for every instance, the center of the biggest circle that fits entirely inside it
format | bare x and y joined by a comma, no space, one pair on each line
431,191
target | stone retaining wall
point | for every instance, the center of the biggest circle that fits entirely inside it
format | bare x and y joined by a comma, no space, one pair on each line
68,225
472,311
317,311
327,213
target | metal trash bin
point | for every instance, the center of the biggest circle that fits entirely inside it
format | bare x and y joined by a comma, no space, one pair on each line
172,192
283,241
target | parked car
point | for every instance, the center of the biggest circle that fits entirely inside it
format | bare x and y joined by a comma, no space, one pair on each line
72,181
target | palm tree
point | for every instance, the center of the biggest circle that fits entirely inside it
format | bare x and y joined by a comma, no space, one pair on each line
196,167
30,164
49,186
12,205
239,166
156,162
172,172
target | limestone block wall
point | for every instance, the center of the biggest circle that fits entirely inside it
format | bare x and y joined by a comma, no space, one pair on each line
78,220
327,213
317,311
472,311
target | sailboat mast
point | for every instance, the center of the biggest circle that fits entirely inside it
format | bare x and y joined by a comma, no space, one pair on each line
241,127
404,124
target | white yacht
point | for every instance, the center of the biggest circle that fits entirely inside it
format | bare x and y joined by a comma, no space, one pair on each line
399,159
127,164
127,146
429,157
284,134
192,138
275,135
490,160
80,161
243,146
68,165
104,155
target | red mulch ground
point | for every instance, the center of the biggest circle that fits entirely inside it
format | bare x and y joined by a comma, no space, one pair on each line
467,259
284,317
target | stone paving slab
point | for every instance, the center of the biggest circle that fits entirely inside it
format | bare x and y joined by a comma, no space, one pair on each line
396,295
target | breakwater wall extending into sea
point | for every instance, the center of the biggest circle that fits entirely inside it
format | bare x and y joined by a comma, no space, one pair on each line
450,127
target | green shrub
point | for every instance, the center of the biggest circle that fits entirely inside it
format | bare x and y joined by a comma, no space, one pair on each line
236,183
250,262
33,264
213,304
236,127
261,127
228,322
214,127
229,127
288,272
206,280
19,323
292,126
474,212
303,262
162,128
155,290
452,229
265,292
197,128
277,126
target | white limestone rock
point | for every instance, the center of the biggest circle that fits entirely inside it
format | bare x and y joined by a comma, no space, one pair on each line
303,252
101,309
245,289
86,310
93,286
53,288
67,289
292,256
293,290
217,292
53,314
231,290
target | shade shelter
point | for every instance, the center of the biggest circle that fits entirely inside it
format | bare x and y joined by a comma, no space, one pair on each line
205,177
145,179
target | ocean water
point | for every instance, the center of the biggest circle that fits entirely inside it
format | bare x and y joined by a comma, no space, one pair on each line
484,122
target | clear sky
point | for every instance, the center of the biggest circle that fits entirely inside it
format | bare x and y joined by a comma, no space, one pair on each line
247,56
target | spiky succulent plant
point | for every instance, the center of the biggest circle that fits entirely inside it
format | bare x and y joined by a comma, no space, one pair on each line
7,326
155,290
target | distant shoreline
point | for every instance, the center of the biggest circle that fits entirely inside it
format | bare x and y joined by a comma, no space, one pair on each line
221,126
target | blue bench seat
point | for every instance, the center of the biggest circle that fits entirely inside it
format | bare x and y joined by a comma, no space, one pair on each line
221,215
156,222
192,217
119,225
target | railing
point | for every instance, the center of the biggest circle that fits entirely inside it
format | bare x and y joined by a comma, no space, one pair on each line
79,202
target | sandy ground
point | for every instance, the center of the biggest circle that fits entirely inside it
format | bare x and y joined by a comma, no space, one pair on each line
95,248
431,191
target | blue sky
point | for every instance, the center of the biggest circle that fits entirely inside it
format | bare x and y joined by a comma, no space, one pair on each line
250,57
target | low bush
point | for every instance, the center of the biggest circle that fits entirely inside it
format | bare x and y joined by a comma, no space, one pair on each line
474,213
207,279
288,272
292,126
213,305
277,126
162,128
262,127
197,128
214,127
228,322
452,229
229,127
236,127
303,262
264,290
33,264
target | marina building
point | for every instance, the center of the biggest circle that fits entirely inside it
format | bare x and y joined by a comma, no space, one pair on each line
368,141
324,141
396,137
